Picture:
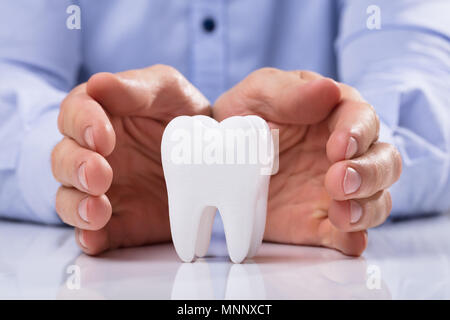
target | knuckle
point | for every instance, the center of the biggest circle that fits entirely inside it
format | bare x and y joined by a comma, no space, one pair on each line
62,112
167,73
60,210
352,93
369,129
164,68
260,76
376,174
372,114
255,86
374,120
394,160
307,74
377,126
388,202
70,111
265,72
58,200
398,163
55,158
171,81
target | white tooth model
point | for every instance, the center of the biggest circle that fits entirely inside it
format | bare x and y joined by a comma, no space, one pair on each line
226,166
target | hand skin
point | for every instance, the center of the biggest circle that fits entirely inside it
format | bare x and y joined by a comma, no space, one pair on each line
109,164
322,175
127,113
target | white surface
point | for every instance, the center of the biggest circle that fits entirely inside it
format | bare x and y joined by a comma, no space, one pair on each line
413,259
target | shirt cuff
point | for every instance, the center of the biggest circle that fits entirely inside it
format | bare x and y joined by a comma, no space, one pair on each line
35,177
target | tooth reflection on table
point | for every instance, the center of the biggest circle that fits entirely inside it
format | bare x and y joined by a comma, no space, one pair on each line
278,272
229,281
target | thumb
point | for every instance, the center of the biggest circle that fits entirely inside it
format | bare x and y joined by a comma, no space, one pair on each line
159,92
280,96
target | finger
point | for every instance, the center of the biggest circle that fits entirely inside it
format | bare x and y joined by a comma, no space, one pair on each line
350,93
84,120
349,243
160,92
319,231
361,214
362,177
93,242
83,169
354,126
279,96
125,230
308,75
80,210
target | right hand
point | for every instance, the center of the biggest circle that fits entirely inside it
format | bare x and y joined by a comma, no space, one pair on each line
325,192
109,164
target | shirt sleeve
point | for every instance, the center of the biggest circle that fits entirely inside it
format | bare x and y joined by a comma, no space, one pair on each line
403,70
39,62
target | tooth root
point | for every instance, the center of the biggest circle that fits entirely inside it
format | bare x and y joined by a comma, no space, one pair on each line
261,205
185,228
260,224
205,229
238,225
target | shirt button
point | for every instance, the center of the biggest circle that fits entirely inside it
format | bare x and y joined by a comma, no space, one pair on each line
209,24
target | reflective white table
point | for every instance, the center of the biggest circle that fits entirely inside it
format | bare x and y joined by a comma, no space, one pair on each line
409,259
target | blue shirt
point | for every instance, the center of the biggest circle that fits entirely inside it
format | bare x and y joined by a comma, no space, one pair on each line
402,69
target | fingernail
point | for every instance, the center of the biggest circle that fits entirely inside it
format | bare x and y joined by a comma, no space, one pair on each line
82,175
89,137
82,209
355,211
352,148
81,238
352,181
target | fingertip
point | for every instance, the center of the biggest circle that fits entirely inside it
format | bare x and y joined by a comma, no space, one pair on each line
351,243
98,175
334,180
98,211
92,242
338,145
339,214
101,138
98,83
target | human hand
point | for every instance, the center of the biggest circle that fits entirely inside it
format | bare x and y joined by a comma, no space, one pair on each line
113,190
333,174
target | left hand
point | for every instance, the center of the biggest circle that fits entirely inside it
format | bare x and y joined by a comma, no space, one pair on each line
109,164
333,173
